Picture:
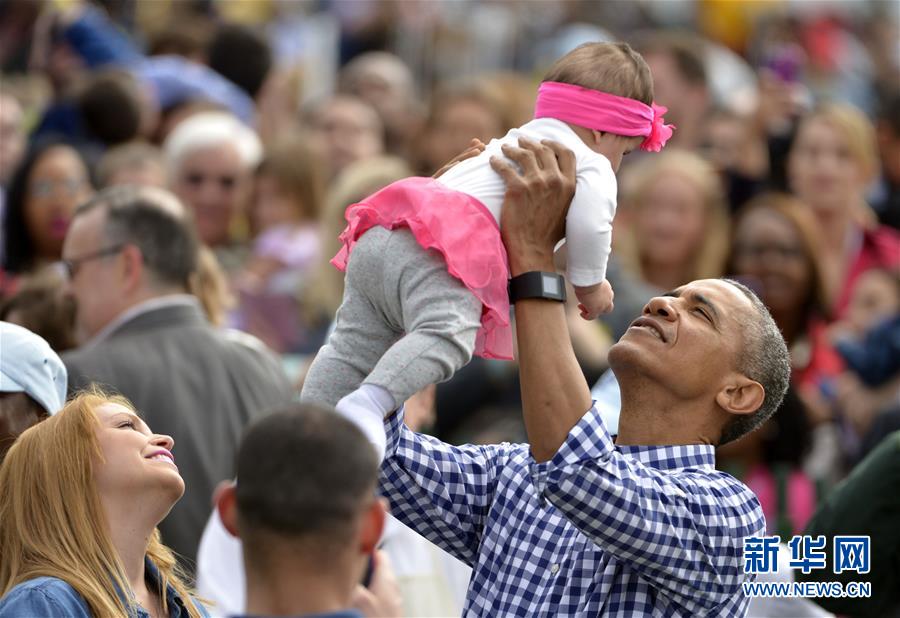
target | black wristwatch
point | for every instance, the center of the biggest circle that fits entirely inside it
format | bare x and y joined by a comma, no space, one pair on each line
537,284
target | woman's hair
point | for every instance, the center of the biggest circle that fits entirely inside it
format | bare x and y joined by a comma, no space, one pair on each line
323,296
614,68
298,172
710,256
480,90
41,305
802,219
51,520
210,285
855,129
18,244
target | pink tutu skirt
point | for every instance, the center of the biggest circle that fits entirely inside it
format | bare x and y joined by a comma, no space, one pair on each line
462,230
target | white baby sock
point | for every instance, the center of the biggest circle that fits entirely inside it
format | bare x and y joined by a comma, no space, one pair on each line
366,407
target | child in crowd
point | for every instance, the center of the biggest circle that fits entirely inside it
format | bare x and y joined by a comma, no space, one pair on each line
284,217
426,270
869,338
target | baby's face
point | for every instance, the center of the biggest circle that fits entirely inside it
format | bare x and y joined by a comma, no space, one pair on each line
874,299
613,146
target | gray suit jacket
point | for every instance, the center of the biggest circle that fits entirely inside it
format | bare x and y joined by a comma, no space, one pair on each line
193,382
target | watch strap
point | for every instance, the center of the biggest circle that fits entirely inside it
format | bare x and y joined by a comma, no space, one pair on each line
537,284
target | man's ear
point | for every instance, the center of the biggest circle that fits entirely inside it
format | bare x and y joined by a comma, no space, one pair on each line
373,520
597,135
132,267
741,395
225,499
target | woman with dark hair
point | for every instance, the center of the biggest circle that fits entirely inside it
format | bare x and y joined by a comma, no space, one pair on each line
776,251
52,180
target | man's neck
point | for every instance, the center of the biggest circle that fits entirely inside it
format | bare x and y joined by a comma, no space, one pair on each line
133,307
298,587
649,417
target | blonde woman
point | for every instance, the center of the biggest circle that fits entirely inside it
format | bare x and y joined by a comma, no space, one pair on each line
675,221
832,162
83,492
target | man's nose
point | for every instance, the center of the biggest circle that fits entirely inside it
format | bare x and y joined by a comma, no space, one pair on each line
661,306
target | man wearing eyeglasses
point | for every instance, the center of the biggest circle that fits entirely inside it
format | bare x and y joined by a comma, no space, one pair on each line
130,254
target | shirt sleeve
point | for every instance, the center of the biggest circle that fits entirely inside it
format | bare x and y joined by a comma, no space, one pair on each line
57,599
589,224
443,492
98,41
681,530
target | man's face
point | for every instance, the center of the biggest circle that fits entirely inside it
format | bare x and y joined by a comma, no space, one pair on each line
213,183
687,340
95,283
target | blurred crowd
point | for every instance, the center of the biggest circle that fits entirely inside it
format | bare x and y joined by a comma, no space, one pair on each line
267,118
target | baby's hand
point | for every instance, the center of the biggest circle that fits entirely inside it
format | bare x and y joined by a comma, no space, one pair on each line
595,300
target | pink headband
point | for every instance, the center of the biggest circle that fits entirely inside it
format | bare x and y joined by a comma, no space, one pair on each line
601,111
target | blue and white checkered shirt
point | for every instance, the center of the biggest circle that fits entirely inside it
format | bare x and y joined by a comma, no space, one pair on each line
600,530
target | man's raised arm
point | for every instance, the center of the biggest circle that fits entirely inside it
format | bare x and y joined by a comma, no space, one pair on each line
554,393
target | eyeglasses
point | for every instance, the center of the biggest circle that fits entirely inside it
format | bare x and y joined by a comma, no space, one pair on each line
761,250
71,266
226,183
71,187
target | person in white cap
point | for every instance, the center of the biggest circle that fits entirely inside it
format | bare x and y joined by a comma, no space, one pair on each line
32,382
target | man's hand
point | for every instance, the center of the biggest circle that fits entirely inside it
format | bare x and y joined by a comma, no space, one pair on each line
382,598
537,199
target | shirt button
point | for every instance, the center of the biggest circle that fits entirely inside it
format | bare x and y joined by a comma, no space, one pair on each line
554,568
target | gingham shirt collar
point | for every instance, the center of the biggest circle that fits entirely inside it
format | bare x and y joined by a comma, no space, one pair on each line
673,457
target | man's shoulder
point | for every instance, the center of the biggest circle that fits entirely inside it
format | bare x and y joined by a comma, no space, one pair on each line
735,500
241,341
43,596
117,359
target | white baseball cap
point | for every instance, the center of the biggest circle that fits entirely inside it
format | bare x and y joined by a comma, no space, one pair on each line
28,365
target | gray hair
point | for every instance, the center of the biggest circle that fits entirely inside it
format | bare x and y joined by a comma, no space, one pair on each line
156,223
209,130
764,359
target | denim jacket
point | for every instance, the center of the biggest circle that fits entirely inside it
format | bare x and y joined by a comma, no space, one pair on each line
50,596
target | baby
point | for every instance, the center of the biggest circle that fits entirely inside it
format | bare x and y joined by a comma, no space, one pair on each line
426,270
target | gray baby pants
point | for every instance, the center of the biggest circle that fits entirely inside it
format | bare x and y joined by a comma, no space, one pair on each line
404,322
